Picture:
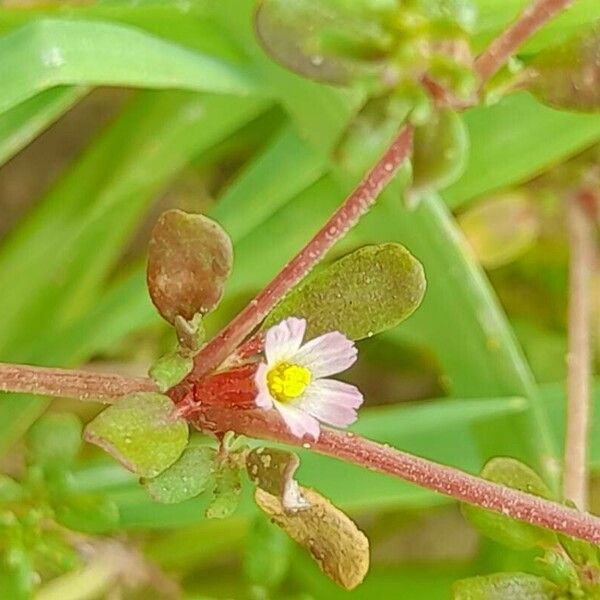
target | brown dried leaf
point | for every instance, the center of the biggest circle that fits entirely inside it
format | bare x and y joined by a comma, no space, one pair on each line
189,260
273,471
340,549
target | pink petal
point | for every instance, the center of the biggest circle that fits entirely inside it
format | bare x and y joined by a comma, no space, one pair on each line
263,397
330,401
327,354
300,423
283,340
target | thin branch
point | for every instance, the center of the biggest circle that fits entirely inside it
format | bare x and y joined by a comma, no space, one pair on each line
533,18
461,486
342,445
581,264
69,383
349,213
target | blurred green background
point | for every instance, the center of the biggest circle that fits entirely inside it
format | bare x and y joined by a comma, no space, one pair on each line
111,112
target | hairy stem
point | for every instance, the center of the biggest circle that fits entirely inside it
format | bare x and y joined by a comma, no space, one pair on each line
534,17
353,208
68,383
581,263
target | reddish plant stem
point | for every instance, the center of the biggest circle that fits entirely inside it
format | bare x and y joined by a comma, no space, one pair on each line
446,480
533,18
579,358
345,446
69,383
354,207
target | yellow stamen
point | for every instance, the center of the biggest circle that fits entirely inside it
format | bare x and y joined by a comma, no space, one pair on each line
287,381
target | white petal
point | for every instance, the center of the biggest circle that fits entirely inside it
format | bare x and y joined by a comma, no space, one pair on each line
300,423
283,340
327,354
330,401
263,397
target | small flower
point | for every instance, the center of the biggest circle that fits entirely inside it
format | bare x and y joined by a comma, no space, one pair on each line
294,378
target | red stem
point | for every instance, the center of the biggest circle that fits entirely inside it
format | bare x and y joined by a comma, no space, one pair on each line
68,383
535,16
354,207
461,486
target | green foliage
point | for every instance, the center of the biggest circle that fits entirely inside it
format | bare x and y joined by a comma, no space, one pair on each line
141,431
514,534
227,490
55,440
190,475
364,293
71,291
267,554
170,369
505,586
440,153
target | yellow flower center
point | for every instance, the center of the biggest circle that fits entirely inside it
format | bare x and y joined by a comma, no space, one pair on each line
287,381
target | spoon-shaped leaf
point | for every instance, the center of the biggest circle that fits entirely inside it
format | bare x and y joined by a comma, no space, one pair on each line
516,586
364,293
319,39
189,261
141,432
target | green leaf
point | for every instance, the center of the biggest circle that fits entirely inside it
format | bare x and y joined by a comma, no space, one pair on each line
141,432
10,490
227,490
558,568
190,475
580,552
566,76
170,369
505,586
17,574
54,440
364,293
87,513
189,260
514,534
267,554
440,153
57,52
21,124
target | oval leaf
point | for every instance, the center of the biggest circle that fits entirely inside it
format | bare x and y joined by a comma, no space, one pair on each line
320,40
170,369
337,545
364,293
567,76
505,586
511,533
440,153
189,261
90,514
141,432
501,228
227,490
187,477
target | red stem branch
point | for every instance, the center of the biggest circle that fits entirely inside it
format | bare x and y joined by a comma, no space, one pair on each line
353,208
69,383
579,358
533,18
449,481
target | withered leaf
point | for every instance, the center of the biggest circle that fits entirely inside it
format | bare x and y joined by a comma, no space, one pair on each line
337,545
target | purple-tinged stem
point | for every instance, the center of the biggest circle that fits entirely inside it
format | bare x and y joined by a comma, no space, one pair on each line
533,18
582,245
69,383
353,208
